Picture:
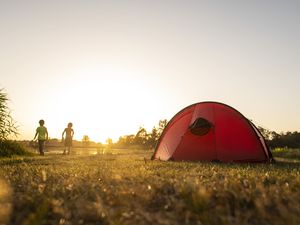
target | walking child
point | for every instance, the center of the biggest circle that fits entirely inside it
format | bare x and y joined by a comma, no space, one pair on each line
68,139
42,136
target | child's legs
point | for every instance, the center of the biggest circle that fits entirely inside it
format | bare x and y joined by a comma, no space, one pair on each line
41,146
69,149
68,144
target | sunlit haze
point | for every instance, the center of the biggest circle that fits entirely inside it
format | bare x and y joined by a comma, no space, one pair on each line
112,66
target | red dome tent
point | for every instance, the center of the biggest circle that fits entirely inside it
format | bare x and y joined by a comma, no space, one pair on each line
211,131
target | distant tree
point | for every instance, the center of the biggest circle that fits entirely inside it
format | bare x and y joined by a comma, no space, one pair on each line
109,143
125,141
86,140
161,126
141,136
152,138
275,140
7,124
156,133
129,139
267,134
289,139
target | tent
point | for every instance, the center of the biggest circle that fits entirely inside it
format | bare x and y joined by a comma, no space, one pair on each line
211,131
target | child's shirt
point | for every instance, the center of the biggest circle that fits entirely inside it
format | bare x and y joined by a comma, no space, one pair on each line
69,132
41,133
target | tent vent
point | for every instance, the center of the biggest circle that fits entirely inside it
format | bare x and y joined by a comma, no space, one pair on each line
200,126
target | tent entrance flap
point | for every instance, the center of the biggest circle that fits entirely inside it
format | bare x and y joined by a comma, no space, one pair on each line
200,127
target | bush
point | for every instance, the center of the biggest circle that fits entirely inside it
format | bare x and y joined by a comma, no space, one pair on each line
9,148
7,124
287,153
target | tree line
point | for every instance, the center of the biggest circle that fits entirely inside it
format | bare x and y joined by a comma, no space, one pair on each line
142,138
281,140
145,139
148,140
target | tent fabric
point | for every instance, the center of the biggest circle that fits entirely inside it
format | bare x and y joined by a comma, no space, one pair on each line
211,131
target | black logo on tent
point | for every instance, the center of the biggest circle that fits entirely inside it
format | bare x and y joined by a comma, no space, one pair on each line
200,126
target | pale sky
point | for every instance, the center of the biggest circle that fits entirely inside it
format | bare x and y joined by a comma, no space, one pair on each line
112,66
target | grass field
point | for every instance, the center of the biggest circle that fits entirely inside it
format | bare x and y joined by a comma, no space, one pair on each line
125,187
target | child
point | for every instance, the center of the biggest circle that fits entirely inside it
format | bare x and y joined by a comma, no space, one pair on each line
68,140
42,134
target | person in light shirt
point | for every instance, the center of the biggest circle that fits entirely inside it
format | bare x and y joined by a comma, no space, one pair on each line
69,133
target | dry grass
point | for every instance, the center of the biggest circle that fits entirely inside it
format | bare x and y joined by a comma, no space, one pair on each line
120,187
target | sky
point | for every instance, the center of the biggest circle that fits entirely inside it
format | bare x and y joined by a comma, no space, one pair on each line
112,66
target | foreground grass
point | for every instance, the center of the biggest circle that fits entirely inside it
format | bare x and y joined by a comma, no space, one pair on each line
121,187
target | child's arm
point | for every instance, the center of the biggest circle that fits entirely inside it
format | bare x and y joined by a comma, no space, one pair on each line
36,133
62,135
46,134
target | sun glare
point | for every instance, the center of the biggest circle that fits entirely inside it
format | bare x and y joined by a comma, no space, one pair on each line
102,106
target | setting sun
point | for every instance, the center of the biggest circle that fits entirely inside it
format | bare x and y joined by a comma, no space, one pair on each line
100,107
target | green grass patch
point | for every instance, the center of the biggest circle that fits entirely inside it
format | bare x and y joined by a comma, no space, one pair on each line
286,153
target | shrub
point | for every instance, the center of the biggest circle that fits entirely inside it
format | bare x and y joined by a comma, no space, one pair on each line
286,153
9,148
7,124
